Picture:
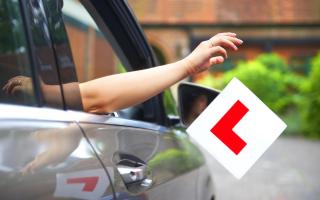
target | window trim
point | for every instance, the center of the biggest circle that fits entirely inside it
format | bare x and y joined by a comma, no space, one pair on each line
34,66
66,98
35,81
130,44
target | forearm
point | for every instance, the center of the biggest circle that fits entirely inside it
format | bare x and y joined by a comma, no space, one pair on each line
51,94
111,93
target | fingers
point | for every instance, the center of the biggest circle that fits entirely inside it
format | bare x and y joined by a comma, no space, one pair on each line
16,90
219,50
216,60
228,40
227,43
5,87
228,34
8,87
212,52
235,40
219,42
11,86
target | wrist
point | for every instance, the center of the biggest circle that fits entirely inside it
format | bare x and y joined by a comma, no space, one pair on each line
187,66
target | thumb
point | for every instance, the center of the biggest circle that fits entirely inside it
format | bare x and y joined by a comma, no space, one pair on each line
216,60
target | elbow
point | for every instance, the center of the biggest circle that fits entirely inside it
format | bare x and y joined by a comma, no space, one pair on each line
95,106
95,103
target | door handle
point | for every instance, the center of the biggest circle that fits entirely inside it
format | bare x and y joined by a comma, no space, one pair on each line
134,172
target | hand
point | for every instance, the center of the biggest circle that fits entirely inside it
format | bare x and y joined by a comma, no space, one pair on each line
18,84
211,52
59,144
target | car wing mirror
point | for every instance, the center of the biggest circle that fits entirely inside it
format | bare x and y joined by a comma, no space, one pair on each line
193,99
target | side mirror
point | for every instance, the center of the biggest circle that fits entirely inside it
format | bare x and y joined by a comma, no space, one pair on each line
193,99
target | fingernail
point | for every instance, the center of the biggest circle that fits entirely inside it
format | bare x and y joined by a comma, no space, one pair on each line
240,41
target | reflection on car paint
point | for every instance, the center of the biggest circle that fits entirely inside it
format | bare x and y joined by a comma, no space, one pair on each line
42,153
125,196
86,184
167,155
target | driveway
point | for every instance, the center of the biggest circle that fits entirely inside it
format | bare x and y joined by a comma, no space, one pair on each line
290,169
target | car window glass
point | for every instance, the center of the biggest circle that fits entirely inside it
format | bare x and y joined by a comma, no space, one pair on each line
42,53
64,59
15,69
93,55
169,95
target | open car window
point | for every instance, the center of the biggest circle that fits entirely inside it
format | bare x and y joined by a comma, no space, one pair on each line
93,55
94,51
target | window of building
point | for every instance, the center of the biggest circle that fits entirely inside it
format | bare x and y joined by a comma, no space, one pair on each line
16,86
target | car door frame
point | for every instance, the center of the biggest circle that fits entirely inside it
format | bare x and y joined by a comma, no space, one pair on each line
130,44
33,60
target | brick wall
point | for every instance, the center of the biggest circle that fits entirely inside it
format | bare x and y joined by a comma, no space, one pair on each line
92,54
227,11
171,25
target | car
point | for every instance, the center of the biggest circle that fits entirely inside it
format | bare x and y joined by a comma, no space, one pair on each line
51,148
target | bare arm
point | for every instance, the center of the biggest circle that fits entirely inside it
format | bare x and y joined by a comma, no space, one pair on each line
111,93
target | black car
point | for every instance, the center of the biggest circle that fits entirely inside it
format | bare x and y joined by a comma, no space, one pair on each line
50,148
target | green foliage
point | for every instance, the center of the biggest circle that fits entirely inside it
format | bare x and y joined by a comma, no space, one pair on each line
273,61
169,103
270,84
171,159
266,83
178,161
120,68
311,102
294,97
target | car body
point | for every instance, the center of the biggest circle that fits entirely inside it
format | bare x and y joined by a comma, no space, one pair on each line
54,150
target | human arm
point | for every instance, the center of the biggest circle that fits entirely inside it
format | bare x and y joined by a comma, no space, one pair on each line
103,95
23,85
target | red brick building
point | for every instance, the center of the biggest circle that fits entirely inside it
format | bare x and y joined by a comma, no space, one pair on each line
288,27
92,54
173,27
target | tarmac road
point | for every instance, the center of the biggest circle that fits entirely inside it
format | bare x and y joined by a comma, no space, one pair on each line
289,169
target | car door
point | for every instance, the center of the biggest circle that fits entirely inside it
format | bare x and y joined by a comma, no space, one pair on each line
149,160
44,154
46,158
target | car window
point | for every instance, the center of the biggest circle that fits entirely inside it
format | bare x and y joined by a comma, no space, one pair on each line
93,55
61,47
100,53
169,101
15,68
